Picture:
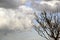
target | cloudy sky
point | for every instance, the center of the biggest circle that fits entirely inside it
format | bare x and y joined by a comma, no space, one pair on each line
16,21
48,5
16,17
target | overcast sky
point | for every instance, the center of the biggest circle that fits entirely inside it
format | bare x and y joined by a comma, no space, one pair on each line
17,15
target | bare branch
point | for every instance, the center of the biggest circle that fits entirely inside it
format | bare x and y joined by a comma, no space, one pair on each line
50,25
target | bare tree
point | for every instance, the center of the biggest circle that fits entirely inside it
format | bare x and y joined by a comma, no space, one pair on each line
48,25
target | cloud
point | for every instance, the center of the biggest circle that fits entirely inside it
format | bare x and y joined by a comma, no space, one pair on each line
16,20
49,6
11,3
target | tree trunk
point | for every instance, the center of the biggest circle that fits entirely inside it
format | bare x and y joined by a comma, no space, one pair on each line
56,39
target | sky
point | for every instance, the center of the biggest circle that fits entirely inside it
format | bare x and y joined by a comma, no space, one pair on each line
16,17
15,21
47,5
29,35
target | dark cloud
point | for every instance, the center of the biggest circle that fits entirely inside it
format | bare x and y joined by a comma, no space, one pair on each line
10,3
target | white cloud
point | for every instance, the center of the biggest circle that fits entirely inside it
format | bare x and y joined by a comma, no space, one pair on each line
52,5
14,21
19,19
